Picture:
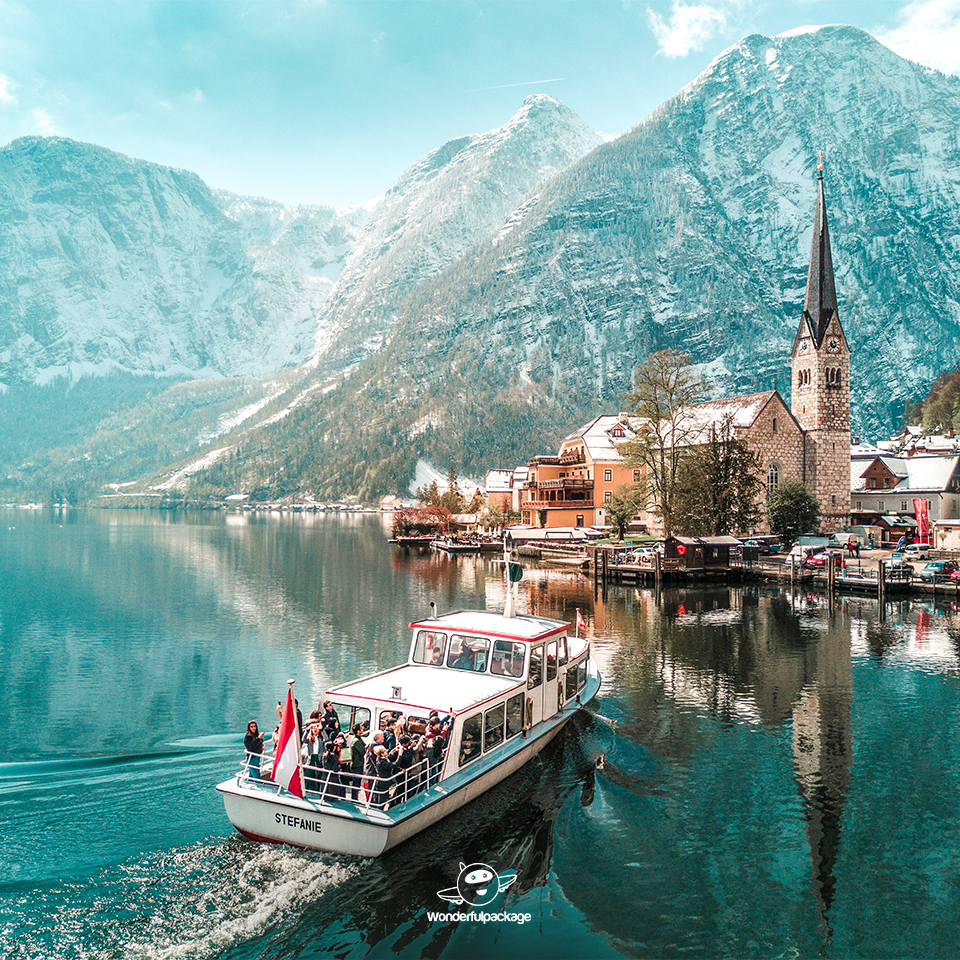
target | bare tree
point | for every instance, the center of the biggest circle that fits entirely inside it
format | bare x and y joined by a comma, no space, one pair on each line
665,386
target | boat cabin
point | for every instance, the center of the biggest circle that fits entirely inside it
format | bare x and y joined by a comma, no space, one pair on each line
495,677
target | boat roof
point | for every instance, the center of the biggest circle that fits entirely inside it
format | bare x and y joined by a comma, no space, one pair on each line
425,688
487,624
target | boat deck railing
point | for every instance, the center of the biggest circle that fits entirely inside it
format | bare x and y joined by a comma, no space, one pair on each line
344,786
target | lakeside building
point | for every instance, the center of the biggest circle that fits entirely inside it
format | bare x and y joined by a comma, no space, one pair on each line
807,440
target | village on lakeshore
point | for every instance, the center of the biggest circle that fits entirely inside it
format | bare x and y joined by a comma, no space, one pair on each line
697,478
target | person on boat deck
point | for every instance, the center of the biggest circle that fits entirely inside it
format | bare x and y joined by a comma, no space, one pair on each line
386,771
370,762
312,754
253,744
329,721
393,732
357,752
331,767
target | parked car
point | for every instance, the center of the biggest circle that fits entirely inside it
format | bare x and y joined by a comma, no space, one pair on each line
763,546
917,551
645,555
820,559
955,577
939,570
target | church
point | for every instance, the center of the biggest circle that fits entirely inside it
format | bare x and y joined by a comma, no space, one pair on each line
809,440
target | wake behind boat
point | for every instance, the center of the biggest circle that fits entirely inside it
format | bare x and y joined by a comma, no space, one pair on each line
504,685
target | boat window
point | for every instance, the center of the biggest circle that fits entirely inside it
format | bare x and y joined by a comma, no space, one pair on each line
514,715
581,675
416,726
493,721
535,676
507,658
470,739
570,684
552,660
387,717
348,715
564,654
429,647
468,653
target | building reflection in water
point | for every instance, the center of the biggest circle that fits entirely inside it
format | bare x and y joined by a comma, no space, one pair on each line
822,753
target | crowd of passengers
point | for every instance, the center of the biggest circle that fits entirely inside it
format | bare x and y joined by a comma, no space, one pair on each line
345,765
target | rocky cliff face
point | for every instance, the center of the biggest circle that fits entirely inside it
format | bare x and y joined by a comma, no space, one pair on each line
505,288
113,264
693,230
451,199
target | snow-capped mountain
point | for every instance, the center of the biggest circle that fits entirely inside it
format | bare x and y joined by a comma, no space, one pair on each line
114,264
449,200
693,230
504,289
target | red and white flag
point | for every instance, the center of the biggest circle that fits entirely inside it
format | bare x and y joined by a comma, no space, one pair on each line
580,624
286,757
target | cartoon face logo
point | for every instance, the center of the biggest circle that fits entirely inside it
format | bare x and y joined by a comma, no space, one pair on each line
477,885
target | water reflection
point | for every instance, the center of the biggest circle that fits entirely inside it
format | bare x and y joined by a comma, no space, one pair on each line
778,772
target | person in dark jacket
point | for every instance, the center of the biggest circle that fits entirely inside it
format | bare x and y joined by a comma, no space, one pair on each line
331,766
386,771
329,722
253,744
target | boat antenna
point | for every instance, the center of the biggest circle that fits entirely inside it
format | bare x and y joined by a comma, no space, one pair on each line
433,610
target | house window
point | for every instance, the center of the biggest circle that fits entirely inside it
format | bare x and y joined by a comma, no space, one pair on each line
859,504
773,476
607,497
636,476
579,519
774,424
881,506
608,476
903,504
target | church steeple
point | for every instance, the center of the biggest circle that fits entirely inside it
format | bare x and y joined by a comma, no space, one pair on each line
820,398
820,302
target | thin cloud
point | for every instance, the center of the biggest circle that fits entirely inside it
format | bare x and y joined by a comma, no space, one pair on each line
6,86
44,124
525,83
927,31
688,27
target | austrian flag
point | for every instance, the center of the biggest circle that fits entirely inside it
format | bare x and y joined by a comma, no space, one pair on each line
580,624
286,758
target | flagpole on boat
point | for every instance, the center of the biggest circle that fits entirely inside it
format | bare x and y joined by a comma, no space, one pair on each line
296,728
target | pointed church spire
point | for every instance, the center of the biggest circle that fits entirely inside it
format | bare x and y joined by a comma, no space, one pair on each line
820,303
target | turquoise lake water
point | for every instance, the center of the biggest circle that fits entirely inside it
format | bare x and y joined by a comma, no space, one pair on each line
764,774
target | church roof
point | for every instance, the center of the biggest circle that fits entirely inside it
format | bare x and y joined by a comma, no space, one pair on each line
820,302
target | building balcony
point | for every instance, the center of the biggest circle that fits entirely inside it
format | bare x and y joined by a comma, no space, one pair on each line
567,483
556,505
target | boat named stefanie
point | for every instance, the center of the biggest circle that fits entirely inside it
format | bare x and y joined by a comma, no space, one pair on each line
507,684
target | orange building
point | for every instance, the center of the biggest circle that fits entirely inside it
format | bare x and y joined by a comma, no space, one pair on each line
572,488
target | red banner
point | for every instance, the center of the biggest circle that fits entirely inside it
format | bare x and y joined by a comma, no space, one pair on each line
923,520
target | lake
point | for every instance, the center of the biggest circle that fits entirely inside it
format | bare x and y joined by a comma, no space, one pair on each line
764,773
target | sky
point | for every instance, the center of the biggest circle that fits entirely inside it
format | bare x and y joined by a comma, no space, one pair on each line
328,101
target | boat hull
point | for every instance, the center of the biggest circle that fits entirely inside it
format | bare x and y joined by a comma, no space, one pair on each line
260,811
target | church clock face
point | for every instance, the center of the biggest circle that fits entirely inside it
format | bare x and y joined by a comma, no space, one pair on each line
833,345
804,346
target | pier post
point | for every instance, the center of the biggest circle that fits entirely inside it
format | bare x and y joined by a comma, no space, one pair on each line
881,584
657,568
605,572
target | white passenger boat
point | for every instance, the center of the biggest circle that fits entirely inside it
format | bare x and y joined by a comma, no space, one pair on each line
507,683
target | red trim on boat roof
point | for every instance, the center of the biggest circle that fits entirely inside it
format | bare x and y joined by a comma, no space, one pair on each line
482,633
